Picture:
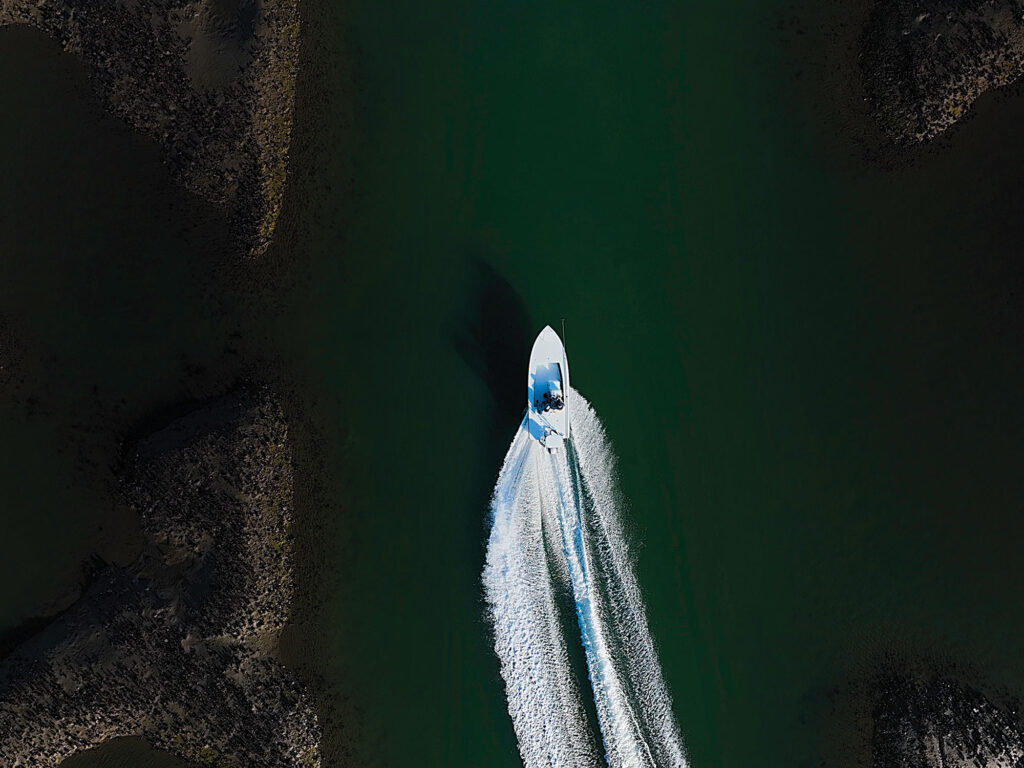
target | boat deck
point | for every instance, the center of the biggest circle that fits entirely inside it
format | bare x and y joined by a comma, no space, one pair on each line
547,389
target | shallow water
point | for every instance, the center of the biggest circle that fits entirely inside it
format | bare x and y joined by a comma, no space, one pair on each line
111,301
110,293
124,753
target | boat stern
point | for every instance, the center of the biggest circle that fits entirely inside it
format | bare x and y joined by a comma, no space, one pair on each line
554,442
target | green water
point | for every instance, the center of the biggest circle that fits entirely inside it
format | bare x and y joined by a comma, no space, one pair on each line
807,363
808,360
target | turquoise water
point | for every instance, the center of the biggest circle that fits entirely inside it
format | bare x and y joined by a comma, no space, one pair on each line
806,354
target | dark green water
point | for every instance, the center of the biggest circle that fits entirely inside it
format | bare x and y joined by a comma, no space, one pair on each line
809,361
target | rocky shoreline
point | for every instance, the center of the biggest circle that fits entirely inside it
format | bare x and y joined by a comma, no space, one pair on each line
925,64
179,648
213,81
931,721
11,354
917,713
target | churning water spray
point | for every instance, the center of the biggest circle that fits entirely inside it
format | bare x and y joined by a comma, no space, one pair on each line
570,498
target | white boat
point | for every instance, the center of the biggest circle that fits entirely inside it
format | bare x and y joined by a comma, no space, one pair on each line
547,389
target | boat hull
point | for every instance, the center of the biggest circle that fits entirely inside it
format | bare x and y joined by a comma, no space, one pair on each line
547,389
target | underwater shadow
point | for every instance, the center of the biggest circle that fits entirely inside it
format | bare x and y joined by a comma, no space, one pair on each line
493,339
491,333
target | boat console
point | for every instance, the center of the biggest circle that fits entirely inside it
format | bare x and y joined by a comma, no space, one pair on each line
547,391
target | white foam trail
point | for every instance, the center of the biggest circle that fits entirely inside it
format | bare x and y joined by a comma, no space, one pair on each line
645,731
543,698
572,496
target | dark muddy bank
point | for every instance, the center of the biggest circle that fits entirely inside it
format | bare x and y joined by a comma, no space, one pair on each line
180,647
212,82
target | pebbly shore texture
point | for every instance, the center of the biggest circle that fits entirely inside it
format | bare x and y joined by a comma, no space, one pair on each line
179,648
925,63
213,81
936,722
916,714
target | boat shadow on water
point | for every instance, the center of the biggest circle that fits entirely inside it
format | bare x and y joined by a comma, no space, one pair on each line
492,337
491,334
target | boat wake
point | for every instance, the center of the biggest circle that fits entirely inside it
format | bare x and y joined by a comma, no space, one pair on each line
556,530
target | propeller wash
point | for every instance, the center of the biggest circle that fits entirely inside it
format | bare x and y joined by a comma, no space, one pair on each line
556,538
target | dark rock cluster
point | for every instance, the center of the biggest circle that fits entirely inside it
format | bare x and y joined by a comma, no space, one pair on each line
925,62
12,354
213,81
935,722
179,648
